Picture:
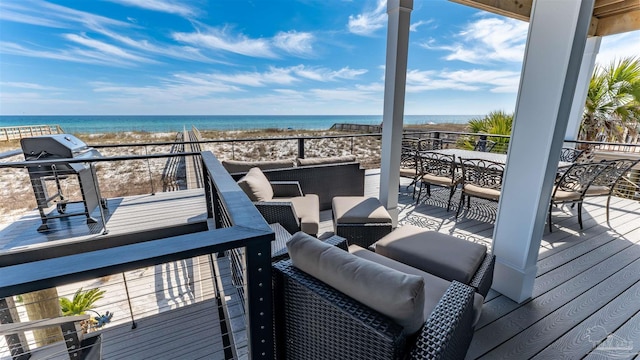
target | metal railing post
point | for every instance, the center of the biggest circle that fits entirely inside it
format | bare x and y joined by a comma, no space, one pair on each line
259,300
301,148
146,152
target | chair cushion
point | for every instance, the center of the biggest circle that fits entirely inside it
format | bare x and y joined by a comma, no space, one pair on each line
359,210
325,160
239,166
437,180
595,190
435,287
482,192
307,209
560,195
443,255
401,298
256,185
407,172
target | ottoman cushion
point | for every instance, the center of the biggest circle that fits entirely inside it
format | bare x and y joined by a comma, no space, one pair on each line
440,254
359,210
306,208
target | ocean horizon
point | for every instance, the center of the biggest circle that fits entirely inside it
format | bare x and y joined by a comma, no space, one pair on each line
87,124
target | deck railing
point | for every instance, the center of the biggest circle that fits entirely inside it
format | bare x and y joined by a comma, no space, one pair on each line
233,222
18,132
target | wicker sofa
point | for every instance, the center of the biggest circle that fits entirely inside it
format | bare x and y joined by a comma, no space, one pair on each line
325,177
314,320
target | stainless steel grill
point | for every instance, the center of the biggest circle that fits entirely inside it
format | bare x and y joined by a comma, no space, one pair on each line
62,146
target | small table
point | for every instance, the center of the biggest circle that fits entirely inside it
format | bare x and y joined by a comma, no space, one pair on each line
490,156
279,245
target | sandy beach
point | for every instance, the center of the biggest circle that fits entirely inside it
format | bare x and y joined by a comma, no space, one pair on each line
134,177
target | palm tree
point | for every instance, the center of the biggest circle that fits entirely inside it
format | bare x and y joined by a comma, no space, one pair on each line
612,108
82,302
496,122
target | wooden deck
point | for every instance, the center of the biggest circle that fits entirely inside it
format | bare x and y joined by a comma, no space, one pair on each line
586,295
586,300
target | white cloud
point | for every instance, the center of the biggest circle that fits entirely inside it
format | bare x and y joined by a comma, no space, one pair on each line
25,85
166,6
464,80
295,43
487,40
414,27
220,39
619,46
106,51
369,21
323,74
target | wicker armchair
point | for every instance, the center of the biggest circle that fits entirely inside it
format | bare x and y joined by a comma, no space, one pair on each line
315,321
289,207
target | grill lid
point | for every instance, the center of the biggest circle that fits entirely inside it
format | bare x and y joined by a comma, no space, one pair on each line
58,146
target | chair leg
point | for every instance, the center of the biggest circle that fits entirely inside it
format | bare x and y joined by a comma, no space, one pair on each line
549,220
608,202
580,214
460,204
453,190
428,190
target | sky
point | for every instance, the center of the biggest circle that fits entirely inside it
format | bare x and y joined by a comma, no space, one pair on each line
256,57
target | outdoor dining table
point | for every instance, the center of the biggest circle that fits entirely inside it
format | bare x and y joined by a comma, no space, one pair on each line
490,156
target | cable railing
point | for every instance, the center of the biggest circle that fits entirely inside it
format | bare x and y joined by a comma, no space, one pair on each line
151,276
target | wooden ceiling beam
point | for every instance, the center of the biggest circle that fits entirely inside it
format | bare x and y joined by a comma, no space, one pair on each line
601,3
516,9
620,23
617,8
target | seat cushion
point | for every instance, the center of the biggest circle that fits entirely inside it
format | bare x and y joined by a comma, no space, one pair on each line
561,195
308,210
359,210
434,286
443,255
596,190
401,298
437,180
326,160
482,192
256,185
408,172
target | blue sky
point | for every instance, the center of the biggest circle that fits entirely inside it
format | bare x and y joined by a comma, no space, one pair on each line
219,57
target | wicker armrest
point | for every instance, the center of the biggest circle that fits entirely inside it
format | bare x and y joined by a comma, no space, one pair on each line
448,331
483,278
279,212
315,321
338,241
286,188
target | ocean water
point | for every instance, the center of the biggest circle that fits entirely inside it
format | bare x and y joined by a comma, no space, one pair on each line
167,123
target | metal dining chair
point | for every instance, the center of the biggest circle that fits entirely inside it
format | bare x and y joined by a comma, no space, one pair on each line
481,179
605,183
439,170
484,145
570,154
572,186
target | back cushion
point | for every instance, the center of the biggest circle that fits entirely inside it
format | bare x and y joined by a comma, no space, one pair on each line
237,166
326,160
393,293
256,185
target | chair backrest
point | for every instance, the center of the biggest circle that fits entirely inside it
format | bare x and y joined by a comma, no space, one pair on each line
409,158
484,145
482,173
437,164
570,154
578,177
614,170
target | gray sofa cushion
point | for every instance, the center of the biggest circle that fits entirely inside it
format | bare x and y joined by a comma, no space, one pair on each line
238,166
359,210
401,298
440,254
435,286
307,209
256,185
325,160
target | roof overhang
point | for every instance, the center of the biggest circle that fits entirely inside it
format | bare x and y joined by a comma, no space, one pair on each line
609,16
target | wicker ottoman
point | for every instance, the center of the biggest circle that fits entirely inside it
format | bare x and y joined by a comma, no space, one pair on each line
361,220
443,255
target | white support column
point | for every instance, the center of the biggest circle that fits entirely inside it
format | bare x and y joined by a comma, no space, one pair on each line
586,70
555,45
394,90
